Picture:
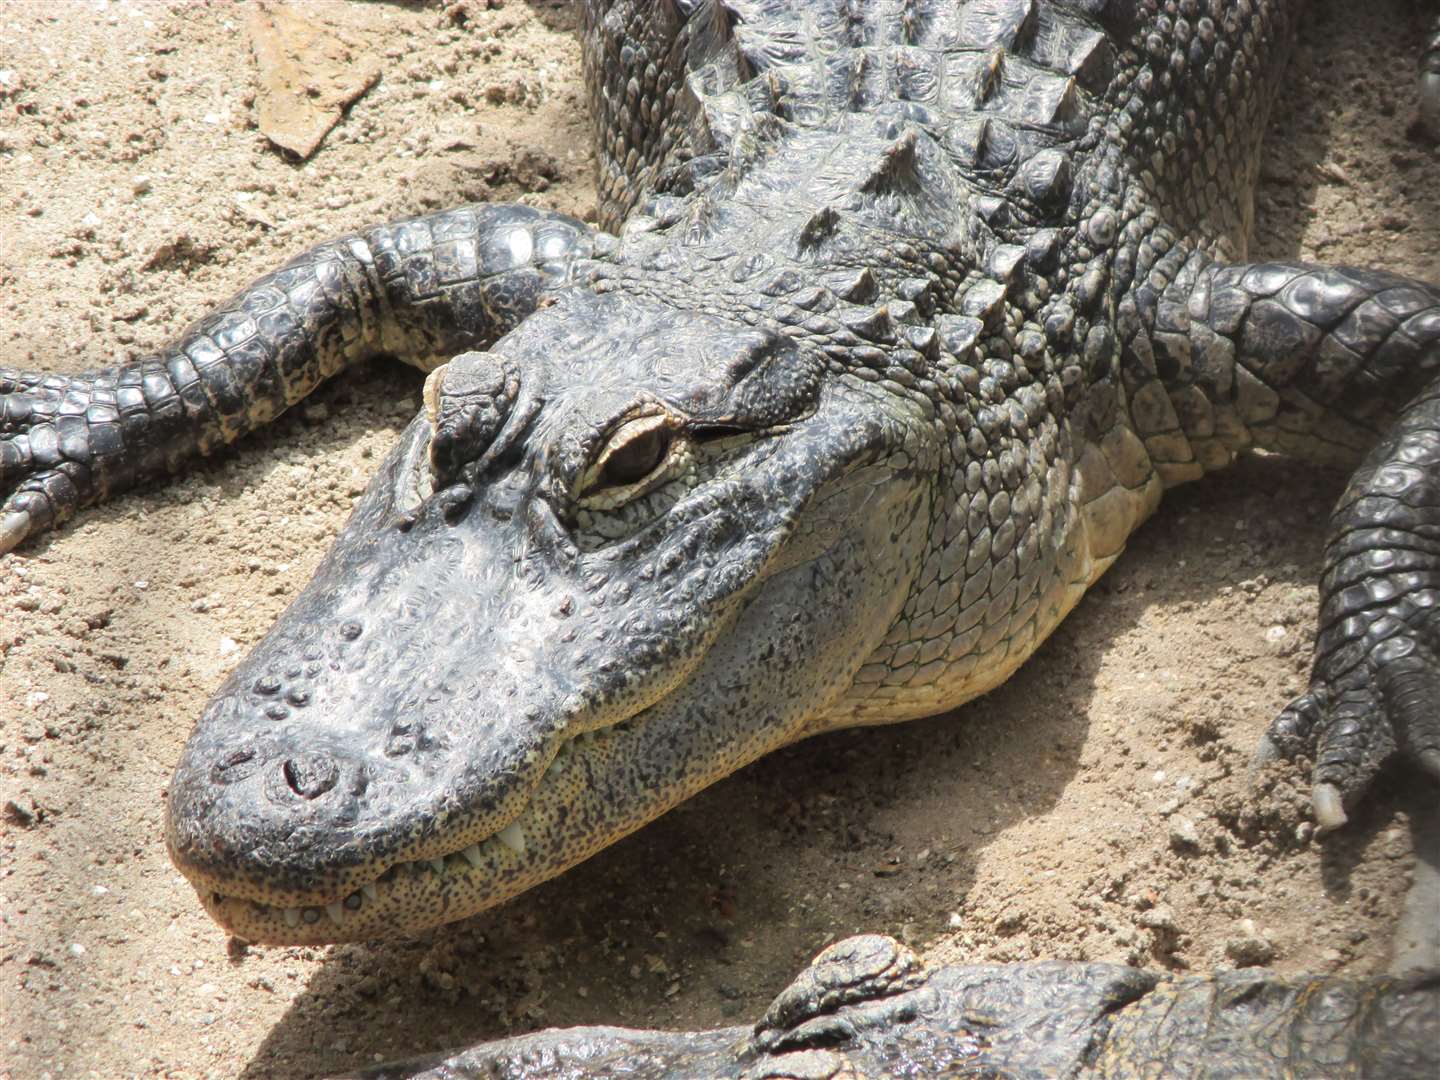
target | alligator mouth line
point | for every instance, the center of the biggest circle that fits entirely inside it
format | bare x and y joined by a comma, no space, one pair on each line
400,885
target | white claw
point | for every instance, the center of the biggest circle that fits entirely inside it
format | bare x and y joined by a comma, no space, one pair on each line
14,527
335,911
292,917
1329,810
472,855
370,891
438,865
513,837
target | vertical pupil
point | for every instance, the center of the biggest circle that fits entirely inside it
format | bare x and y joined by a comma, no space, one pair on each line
637,458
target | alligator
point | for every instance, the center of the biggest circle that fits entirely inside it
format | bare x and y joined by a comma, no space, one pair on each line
866,1007
899,319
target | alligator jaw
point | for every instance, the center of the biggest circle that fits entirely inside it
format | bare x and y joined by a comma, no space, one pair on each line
409,897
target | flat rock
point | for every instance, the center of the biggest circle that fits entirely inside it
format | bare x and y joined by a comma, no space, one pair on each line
309,73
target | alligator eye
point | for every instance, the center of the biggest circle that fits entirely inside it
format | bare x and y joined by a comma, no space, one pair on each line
637,452
636,458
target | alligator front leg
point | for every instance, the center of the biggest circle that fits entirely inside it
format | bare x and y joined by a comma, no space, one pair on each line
422,289
1321,363
1375,687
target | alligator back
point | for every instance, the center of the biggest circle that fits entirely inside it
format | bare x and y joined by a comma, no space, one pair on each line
1014,90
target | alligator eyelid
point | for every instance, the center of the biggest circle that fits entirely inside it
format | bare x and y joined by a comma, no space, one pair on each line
708,433
640,425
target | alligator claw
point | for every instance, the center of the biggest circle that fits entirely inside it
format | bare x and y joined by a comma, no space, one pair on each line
14,527
1354,721
1329,809
1429,761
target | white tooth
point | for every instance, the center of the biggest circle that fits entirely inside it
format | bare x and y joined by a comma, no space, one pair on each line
370,891
472,855
513,837
335,911
292,916
438,865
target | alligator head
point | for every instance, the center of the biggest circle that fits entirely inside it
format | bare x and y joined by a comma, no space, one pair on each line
617,557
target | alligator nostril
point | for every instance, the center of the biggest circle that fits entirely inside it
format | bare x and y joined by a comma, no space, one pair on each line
310,775
236,765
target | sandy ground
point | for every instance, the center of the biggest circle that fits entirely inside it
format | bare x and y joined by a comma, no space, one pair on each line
1095,807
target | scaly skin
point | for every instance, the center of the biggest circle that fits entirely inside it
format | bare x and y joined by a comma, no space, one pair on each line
915,312
867,1008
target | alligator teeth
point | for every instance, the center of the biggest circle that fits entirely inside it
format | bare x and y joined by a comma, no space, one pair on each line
292,917
513,837
438,865
335,911
472,855
370,891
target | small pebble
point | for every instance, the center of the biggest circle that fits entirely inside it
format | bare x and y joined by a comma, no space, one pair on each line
1250,948
1183,834
228,645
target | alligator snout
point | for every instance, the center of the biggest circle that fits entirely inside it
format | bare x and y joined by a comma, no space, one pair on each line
359,736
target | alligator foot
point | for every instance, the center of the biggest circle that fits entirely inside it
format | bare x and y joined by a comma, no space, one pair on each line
50,426
1377,654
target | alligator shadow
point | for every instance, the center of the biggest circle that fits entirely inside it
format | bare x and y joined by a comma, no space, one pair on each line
700,918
